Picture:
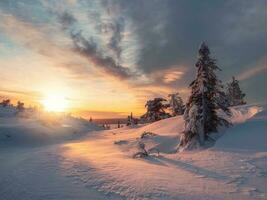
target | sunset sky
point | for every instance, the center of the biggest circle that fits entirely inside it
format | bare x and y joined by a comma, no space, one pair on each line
107,58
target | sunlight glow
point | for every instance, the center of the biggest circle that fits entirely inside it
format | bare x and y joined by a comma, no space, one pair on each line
55,103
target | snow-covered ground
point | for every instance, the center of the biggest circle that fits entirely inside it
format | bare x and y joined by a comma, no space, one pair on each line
39,128
100,164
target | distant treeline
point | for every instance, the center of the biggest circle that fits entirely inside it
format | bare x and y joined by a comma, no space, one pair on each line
110,121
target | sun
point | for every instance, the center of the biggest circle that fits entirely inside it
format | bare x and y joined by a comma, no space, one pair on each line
55,103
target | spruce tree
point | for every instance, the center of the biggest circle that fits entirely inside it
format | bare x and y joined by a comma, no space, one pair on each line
20,106
176,104
234,93
200,115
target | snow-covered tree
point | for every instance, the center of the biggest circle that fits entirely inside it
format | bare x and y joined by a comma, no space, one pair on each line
234,93
200,115
176,104
155,110
5,103
131,120
20,106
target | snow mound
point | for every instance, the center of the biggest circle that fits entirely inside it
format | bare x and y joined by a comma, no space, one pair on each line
31,129
242,113
164,136
249,131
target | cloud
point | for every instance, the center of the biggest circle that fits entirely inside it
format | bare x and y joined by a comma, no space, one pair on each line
88,48
20,92
14,94
254,70
117,29
66,20
170,32
38,39
139,42
63,55
172,76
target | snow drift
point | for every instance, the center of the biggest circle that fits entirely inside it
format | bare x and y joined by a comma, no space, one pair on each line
249,132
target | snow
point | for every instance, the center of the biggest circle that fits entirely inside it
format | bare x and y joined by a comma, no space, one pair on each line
99,165
35,129
249,134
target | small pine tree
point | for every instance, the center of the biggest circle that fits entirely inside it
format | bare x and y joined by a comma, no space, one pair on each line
20,106
176,104
234,93
201,109
129,120
91,119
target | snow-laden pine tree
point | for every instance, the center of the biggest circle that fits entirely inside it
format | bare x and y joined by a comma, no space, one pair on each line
20,106
155,110
200,115
234,93
176,104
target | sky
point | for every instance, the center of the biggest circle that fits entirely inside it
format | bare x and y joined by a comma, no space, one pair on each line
107,58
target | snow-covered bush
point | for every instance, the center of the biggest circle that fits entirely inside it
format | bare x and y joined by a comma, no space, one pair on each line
142,151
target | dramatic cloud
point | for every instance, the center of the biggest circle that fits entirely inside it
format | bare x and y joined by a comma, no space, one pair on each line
115,40
88,48
94,52
146,48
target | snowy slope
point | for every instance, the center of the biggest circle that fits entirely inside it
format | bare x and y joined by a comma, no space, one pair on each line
39,128
248,134
211,174
100,165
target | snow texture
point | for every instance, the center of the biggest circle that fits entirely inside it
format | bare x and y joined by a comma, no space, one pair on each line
100,165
